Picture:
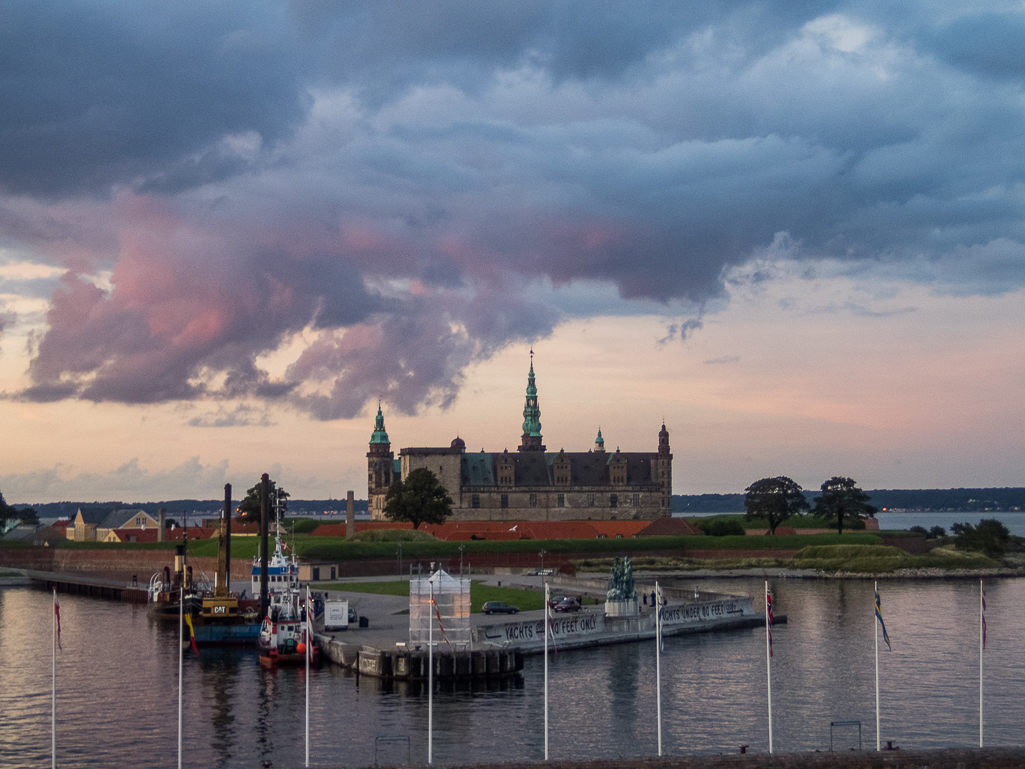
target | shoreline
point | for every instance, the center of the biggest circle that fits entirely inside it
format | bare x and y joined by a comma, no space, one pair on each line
932,573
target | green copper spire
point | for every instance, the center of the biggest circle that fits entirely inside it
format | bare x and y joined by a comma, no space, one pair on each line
379,436
599,442
531,414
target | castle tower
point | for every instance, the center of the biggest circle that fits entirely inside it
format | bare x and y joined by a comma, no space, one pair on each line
664,470
599,443
531,439
380,461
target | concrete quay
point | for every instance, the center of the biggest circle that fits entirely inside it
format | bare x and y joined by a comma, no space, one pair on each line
499,644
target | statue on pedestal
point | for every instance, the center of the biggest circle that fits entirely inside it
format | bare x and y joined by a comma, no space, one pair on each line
621,581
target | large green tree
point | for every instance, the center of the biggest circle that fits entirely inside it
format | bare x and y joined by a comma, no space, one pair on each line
990,536
842,500
419,498
249,509
774,500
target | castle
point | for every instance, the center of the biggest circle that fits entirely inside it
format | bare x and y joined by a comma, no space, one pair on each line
532,484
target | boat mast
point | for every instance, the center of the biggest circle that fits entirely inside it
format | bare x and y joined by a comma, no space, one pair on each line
264,521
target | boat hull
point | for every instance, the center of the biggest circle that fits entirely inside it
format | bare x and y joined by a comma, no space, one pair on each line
241,634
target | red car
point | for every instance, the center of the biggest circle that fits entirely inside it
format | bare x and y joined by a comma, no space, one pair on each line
567,604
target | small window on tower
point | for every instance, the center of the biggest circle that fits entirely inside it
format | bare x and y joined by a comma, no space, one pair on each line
590,500
505,501
613,500
560,500
533,500
475,501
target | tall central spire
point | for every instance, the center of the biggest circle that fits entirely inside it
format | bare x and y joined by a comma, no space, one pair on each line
531,439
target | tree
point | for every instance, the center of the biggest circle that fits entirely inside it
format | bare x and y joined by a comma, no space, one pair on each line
842,499
418,499
6,511
990,536
27,515
774,500
249,509
936,532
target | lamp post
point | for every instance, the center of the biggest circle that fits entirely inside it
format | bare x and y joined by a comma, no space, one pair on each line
542,567
400,559
461,560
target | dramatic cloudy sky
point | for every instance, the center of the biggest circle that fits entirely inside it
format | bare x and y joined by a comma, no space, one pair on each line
792,230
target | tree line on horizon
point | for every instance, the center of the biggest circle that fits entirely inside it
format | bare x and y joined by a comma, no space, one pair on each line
981,500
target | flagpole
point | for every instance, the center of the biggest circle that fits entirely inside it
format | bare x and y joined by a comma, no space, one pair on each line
875,635
53,692
658,663
768,661
982,647
309,651
547,619
430,680
181,653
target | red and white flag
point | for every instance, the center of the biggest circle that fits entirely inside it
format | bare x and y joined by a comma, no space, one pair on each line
57,613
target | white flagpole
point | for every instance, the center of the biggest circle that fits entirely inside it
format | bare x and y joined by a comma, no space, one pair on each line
875,635
430,682
53,692
547,610
768,661
309,651
982,619
181,648
658,662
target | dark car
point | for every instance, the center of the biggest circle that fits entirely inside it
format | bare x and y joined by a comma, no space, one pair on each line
567,604
497,607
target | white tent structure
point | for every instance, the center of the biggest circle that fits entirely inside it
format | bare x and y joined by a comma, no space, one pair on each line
451,611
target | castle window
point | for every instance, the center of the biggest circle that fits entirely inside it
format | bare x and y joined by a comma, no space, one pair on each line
533,500
613,500
505,501
590,500
560,500
637,500
475,501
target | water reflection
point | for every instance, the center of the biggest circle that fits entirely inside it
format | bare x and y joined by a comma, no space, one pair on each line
118,683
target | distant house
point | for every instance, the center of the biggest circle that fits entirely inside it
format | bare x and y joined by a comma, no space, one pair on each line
95,525
22,532
48,536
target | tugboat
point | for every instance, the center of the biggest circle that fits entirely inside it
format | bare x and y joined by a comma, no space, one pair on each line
285,632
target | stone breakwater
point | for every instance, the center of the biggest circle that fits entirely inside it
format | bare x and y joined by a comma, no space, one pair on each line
949,758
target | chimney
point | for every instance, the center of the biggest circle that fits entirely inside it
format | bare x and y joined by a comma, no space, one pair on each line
350,516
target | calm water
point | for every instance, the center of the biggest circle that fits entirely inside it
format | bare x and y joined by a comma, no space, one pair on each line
1015,522
117,687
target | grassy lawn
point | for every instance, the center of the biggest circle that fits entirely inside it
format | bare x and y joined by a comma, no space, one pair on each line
11,574
526,600
798,522
880,559
339,549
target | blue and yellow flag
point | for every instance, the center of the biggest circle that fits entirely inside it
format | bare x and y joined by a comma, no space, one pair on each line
879,616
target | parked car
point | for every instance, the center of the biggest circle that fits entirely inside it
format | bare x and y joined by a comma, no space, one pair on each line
567,604
498,607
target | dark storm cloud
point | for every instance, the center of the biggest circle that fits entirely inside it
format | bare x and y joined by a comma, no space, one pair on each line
98,93
410,186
